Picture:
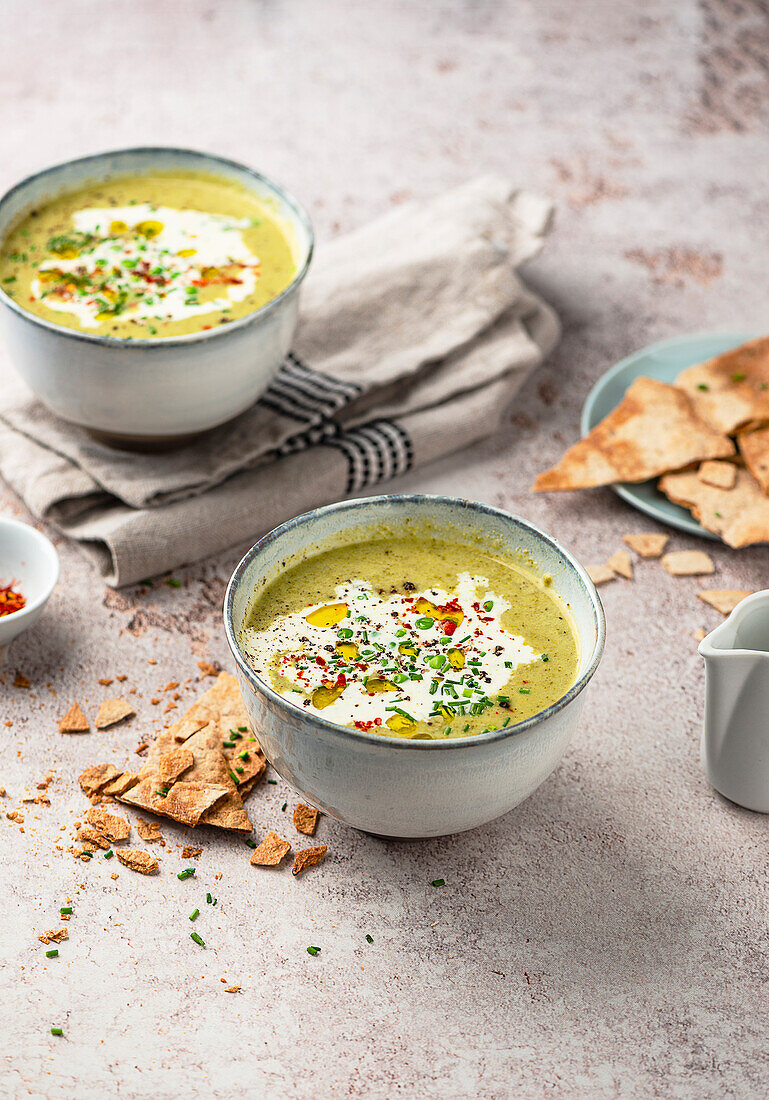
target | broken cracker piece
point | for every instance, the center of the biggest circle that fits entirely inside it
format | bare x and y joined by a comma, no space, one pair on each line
232,989
723,599
270,852
648,544
308,857
136,860
190,852
698,635
654,429
91,838
54,935
306,819
95,778
21,681
754,448
148,830
600,574
721,475
112,711
621,564
121,784
732,389
739,515
207,668
688,563
74,721
112,826
171,765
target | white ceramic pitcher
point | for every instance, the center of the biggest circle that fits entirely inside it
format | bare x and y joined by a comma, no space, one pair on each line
735,739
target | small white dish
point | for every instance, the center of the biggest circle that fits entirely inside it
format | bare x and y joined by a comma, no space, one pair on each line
29,560
735,737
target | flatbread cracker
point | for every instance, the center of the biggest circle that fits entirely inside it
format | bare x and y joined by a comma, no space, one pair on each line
600,574
91,838
111,826
123,783
54,935
171,765
222,702
739,515
270,852
74,721
306,819
724,599
97,777
621,564
722,475
308,857
754,448
647,544
185,802
246,759
211,767
148,831
190,852
653,430
688,563
112,711
732,389
139,861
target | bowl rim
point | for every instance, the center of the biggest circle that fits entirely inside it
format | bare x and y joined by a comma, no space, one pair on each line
191,337
44,548
385,740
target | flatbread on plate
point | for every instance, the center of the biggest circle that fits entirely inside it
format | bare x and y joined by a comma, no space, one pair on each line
739,515
732,389
754,448
653,430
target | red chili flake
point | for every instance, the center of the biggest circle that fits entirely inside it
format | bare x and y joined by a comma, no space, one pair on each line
448,626
10,600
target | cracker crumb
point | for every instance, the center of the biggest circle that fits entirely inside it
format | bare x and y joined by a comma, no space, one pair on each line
721,475
600,574
137,860
208,669
688,563
21,681
723,599
74,721
306,819
190,852
105,682
232,988
308,857
621,564
112,711
270,852
647,544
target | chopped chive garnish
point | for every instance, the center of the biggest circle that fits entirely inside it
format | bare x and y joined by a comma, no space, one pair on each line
188,872
208,899
251,843
244,755
234,778
447,731
507,721
238,769
369,939
198,939
508,664
438,882
163,794
57,1031
194,914
525,691
313,950
52,954
228,744
109,854
66,909
283,807
545,657
702,386
173,583
273,781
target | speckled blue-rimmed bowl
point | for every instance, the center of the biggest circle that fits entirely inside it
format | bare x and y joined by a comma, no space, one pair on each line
392,786
162,391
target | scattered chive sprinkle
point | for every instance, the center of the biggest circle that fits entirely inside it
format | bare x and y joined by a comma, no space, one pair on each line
66,909
208,899
273,781
738,376
245,755
369,939
438,882
57,1031
283,807
234,777
52,954
545,657
228,744
188,872
251,844
525,691
702,386
313,950
194,914
198,939
109,854
163,794
173,582
242,729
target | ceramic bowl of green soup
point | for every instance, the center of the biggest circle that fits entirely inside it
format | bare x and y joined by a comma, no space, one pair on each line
413,665
148,295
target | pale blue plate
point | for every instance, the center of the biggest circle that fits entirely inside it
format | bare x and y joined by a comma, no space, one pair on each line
664,361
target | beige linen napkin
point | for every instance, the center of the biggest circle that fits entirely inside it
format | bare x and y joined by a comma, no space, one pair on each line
415,333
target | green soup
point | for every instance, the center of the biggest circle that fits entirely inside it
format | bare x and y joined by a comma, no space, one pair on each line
148,256
413,638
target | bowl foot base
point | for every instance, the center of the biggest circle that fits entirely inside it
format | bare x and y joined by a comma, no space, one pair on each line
145,443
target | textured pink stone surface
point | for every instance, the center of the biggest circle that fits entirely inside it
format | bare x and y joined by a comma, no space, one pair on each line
609,937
